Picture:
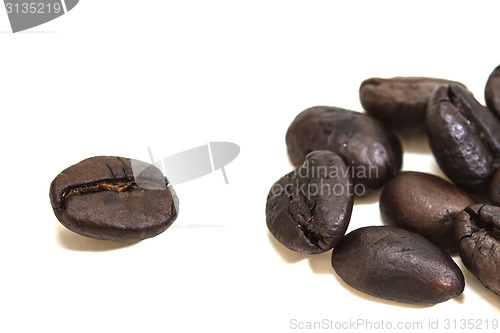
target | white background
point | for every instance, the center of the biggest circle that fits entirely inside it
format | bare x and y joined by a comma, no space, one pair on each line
117,76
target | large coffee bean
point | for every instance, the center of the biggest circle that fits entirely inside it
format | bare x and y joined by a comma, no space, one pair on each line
372,152
398,265
477,231
113,198
424,204
464,137
492,92
400,102
309,209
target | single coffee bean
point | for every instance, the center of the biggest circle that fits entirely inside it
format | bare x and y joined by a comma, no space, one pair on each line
492,92
425,204
113,198
464,137
400,102
398,265
309,209
477,231
495,189
371,151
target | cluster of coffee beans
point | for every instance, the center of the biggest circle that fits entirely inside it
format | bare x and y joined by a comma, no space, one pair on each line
114,198
340,154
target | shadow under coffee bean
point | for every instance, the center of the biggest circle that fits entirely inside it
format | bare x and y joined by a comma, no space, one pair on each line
114,198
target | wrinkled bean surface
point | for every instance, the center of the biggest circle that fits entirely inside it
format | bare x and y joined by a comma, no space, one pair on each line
464,137
309,209
477,232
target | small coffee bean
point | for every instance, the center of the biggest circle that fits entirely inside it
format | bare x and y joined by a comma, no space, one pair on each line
309,209
371,151
400,102
398,265
492,92
464,137
477,232
113,198
425,204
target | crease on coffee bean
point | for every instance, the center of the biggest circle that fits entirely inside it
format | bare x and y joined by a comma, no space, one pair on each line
476,229
111,170
173,210
473,216
113,185
477,119
476,251
307,227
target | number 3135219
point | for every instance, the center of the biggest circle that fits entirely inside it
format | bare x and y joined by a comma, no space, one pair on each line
471,324
33,8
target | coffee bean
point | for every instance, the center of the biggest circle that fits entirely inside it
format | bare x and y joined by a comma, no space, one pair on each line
400,102
464,137
309,209
425,204
372,152
113,198
492,92
398,265
477,231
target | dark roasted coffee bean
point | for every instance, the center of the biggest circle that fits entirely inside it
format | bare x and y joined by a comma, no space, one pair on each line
372,152
495,189
398,265
309,209
400,102
113,198
464,137
477,231
492,92
425,204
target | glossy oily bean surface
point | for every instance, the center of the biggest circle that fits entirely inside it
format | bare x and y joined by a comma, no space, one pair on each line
398,265
309,209
425,204
400,102
464,137
371,151
477,231
113,198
